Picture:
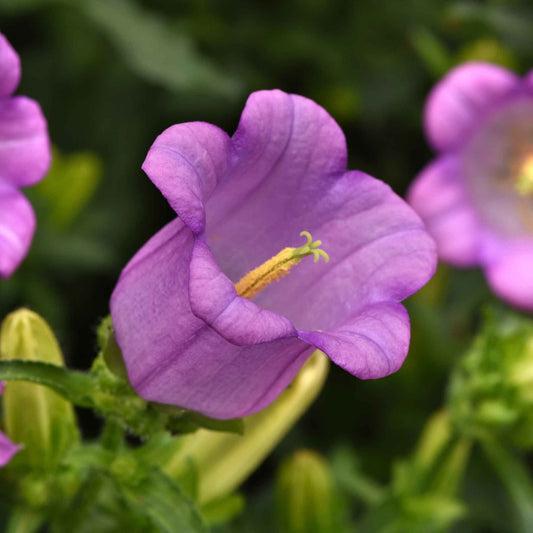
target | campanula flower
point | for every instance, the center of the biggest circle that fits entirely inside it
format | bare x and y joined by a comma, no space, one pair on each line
7,448
24,160
200,312
476,197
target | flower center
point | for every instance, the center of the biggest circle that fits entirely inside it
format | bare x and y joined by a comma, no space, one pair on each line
278,266
524,180
498,167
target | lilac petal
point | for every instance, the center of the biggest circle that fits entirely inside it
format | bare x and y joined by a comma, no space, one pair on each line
17,225
509,273
214,299
7,448
9,68
285,153
461,99
185,163
372,345
174,357
378,249
188,339
24,144
439,196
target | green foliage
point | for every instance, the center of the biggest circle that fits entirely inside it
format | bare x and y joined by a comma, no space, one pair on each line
156,51
69,185
110,76
490,390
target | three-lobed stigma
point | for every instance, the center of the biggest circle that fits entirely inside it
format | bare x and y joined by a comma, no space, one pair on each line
278,266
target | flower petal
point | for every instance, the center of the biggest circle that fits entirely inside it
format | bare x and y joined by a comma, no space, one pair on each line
17,225
509,273
9,68
439,196
174,357
7,448
285,153
24,144
461,99
214,299
378,249
372,345
185,163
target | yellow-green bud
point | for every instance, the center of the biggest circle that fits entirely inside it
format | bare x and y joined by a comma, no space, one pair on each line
305,496
34,416
225,460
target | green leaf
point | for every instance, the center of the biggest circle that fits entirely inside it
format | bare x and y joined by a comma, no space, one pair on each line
224,509
164,502
69,185
74,386
432,51
156,51
515,476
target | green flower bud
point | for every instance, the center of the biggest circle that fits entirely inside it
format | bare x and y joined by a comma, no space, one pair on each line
33,415
305,495
224,460
491,389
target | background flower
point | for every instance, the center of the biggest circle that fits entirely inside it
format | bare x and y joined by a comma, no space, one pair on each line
24,160
476,198
188,339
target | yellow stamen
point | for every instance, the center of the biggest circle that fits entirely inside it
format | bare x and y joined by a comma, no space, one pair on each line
524,182
279,266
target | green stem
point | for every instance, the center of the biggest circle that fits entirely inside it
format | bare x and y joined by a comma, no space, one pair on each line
74,386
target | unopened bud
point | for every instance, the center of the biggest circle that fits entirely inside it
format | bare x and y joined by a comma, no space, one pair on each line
224,460
305,495
34,416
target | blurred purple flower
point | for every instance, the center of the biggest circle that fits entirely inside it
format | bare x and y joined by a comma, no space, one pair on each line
7,448
476,198
189,339
24,160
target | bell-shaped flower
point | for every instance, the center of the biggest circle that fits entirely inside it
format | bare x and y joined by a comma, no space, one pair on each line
7,448
201,325
24,160
476,197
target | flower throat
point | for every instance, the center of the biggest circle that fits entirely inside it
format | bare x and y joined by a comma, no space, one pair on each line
278,266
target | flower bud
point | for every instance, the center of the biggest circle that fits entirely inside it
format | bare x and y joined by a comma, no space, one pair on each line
491,388
34,416
224,460
305,495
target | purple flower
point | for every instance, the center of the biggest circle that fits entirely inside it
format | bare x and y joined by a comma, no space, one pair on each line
24,160
476,198
189,339
7,448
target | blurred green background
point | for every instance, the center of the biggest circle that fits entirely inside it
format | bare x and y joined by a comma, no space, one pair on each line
112,74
